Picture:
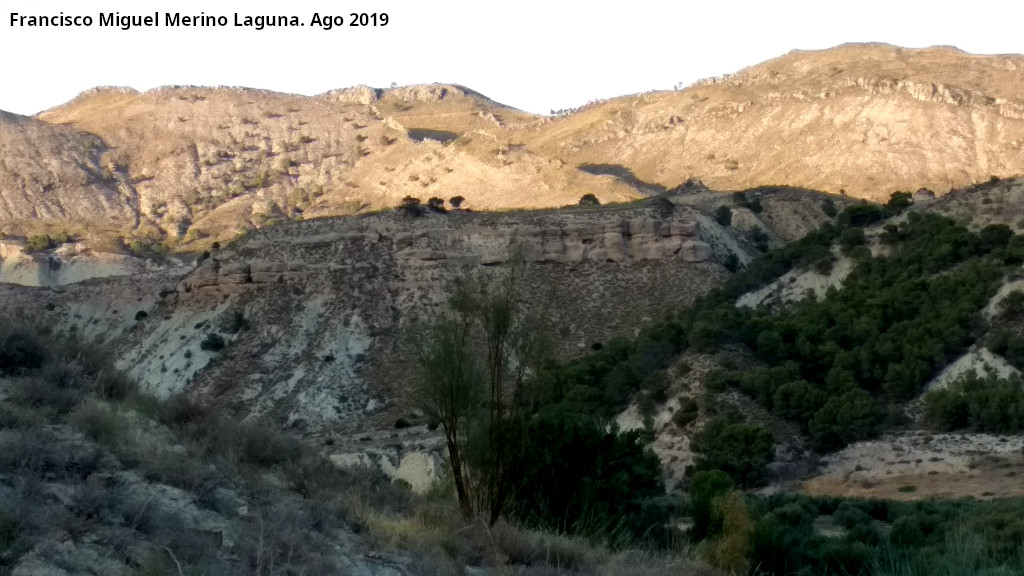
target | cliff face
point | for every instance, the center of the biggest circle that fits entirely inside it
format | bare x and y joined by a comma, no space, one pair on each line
333,306
318,318
467,244
312,323
73,263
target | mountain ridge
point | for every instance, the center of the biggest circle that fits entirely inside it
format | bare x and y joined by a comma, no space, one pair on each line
196,165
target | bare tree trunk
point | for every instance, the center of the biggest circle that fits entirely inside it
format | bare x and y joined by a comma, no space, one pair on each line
461,490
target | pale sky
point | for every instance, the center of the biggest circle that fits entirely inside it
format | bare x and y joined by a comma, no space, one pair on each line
533,55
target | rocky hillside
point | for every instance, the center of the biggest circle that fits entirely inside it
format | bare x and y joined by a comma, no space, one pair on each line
867,119
51,176
186,166
206,164
310,322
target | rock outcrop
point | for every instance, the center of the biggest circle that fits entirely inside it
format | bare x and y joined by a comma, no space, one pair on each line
315,316
73,263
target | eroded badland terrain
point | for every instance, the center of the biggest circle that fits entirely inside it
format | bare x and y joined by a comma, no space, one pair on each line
798,285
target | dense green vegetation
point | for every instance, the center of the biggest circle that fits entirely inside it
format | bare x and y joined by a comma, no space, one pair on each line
580,478
512,453
740,450
883,537
45,242
837,364
981,404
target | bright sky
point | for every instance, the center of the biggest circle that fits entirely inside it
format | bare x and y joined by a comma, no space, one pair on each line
534,55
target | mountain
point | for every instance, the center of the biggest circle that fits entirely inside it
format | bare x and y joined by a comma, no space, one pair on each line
260,413
864,119
187,166
206,164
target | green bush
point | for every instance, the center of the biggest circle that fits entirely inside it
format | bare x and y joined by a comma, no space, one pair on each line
759,238
1012,305
851,238
861,215
38,242
1008,345
723,215
412,207
740,450
848,418
798,401
436,204
20,351
9,530
100,423
687,412
580,478
828,206
212,343
981,404
705,487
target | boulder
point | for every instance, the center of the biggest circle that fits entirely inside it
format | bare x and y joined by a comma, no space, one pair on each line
421,470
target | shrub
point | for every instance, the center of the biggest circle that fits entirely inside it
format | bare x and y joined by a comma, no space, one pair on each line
705,487
180,410
828,206
860,215
899,200
848,418
851,238
1007,345
987,404
732,262
589,200
729,551
436,204
687,412
663,206
9,530
740,450
411,206
798,401
234,322
760,238
723,215
752,204
456,201
38,242
1012,305
258,444
99,422
39,392
580,478
20,351
212,343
